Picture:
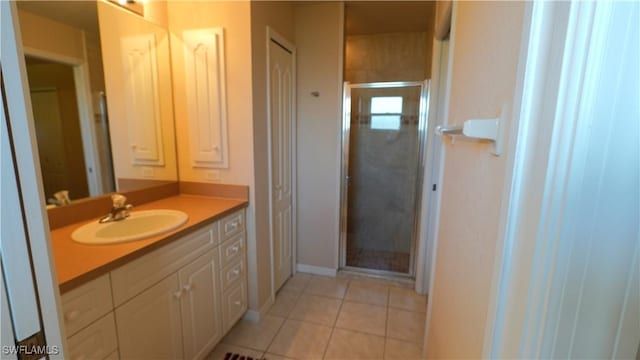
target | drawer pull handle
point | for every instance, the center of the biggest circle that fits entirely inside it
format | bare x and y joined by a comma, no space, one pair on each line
177,294
235,249
72,315
238,303
188,287
236,271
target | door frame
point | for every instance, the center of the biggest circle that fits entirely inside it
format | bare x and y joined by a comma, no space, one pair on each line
20,125
416,259
85,111
272,35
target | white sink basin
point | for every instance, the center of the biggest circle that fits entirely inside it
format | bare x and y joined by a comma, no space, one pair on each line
139,225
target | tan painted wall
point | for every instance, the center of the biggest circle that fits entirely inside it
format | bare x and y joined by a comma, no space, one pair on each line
279,17
157,12
486,52
319,40
387,57
116,23
50,36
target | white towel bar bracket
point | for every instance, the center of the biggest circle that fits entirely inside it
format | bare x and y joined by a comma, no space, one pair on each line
478,129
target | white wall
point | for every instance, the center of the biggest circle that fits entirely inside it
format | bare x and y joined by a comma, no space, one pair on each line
485,60
319,40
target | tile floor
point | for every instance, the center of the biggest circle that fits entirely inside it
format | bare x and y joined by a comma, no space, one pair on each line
378,259
346,317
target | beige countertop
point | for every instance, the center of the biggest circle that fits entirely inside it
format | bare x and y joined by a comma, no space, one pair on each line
78,263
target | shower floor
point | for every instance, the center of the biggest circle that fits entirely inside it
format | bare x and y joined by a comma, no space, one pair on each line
378,260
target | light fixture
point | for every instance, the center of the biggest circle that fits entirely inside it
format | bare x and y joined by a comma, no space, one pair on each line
137,6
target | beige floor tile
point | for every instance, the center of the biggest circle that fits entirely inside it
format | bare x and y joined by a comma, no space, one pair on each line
285,301
297,283
316,309
405,325
222,349
254,335
367,292
407,299
327,286
350,345
301,340
402,350
371,319
270,356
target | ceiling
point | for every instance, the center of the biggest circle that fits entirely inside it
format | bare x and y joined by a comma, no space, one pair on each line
79,14
382,17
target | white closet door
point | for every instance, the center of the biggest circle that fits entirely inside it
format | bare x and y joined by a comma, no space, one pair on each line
280,118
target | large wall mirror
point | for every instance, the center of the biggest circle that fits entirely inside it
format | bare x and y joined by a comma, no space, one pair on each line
100,84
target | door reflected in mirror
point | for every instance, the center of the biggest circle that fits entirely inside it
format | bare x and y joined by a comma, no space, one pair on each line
64,162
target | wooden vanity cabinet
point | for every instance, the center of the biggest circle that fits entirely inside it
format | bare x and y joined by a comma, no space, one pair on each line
175,302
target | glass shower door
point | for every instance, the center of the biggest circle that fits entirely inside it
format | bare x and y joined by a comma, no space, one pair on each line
382,176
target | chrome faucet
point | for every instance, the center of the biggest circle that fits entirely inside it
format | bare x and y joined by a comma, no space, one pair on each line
119,211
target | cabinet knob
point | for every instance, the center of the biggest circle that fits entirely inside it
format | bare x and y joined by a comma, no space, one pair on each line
188,287
236,272
177,294
235,249
238,303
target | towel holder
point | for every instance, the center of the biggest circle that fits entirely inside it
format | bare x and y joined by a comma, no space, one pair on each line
478,129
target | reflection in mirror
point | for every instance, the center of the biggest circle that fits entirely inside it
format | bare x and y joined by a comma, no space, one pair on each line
70,67
57,122
138,73
65,73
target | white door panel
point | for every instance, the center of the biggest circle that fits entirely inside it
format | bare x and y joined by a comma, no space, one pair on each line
280,118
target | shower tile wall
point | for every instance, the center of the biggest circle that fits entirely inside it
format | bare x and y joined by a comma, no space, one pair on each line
383,171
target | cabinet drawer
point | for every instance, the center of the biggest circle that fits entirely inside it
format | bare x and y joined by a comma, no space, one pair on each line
232,225
232,250
234,304
137,275
85,304
232,274
96,341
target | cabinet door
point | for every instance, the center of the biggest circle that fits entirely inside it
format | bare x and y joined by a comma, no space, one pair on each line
149,325
96,341
201,318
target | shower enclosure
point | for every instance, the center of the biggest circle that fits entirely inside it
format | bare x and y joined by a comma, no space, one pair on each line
383,142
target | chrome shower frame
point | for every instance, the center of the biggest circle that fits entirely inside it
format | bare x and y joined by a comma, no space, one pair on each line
344,173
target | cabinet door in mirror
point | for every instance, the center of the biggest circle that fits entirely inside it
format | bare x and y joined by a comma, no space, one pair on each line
138,83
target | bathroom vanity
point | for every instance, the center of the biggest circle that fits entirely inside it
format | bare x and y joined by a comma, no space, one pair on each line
170,296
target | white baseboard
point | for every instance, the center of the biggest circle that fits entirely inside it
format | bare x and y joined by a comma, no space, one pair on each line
317,270
256,315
